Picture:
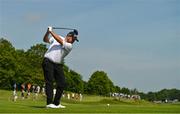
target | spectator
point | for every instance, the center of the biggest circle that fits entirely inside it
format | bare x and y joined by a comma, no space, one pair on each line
80,97
22,90
28,89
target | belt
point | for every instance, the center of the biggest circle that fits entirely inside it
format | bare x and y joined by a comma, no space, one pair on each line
52,61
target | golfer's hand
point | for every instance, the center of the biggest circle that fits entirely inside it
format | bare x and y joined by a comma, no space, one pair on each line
50,29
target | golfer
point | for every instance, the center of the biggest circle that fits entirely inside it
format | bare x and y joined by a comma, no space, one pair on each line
53,65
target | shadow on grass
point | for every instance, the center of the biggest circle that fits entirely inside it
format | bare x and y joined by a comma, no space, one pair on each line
41,107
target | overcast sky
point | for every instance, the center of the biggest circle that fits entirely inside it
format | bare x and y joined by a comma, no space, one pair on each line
136,42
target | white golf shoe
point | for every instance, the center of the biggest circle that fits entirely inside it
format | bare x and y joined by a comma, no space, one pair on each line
61,106
51,106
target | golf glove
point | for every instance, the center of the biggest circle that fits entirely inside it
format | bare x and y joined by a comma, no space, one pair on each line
50,29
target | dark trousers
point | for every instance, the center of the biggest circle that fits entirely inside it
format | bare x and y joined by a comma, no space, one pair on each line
53,71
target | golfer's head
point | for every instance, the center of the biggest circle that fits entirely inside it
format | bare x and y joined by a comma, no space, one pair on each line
71,37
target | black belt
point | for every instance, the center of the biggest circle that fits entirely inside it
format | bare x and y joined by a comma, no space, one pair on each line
46,59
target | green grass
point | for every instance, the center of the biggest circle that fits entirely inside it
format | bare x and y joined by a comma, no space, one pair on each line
90,104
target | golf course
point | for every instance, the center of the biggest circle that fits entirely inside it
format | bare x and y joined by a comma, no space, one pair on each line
89,56
89,104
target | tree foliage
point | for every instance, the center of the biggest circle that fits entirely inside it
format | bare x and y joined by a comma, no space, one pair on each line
25,67
8,66
100,84
169,94
74,81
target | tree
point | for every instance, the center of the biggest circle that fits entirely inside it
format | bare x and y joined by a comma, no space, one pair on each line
25,66
162,95
100,84
34,57
134,91
117,89
74,81
151,96
174,94
85,84
8,63
20,66
125,90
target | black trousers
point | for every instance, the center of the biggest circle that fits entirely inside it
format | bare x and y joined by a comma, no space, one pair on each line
53,71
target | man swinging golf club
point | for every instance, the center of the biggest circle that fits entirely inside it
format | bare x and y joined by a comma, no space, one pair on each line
53,64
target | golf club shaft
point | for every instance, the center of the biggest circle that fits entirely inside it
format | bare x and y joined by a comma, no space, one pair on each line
62,28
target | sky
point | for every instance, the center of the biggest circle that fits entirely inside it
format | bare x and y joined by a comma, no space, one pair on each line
136,42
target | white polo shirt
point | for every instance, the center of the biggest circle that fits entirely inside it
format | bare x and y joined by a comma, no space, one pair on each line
57,52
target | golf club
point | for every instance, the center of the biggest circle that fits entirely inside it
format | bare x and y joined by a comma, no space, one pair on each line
75,31
62,28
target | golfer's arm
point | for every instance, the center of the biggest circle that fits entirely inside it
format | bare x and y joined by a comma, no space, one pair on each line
46,38
57,37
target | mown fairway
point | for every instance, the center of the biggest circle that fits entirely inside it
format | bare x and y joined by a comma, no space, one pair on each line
90,104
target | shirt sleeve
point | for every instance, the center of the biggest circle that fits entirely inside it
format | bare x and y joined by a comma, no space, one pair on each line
67,46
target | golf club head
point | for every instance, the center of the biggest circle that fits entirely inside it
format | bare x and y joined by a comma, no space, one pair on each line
75,32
